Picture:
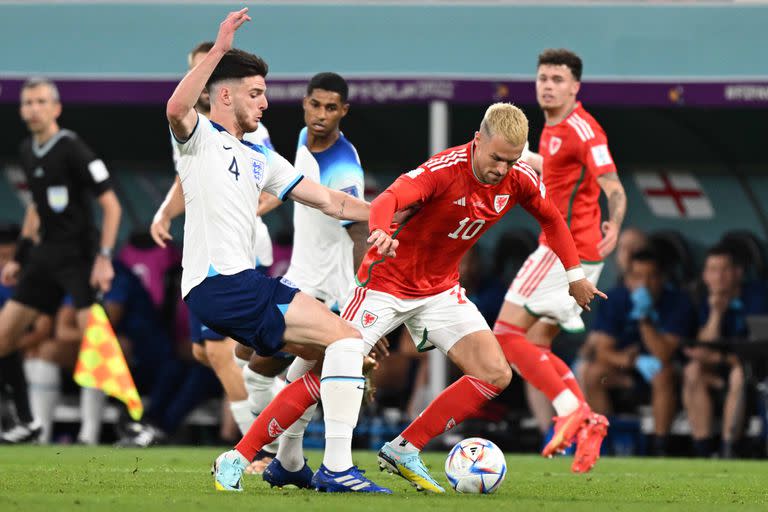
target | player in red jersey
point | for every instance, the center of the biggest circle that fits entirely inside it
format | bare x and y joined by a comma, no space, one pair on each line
577,165
458,194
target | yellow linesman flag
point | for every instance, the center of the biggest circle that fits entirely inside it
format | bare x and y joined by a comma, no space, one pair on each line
101,363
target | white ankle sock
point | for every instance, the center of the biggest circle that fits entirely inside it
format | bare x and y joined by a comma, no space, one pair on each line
399,444
290,453
341,390
241,411
91,408
44,381
565,403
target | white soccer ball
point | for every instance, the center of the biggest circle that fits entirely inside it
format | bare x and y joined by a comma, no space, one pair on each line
475,466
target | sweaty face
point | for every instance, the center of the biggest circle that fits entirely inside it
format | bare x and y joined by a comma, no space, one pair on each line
39,108
720,275
493,157
644,274
204,101
323,111
249,101
555,86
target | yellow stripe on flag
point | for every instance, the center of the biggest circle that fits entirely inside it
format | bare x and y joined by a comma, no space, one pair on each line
101,364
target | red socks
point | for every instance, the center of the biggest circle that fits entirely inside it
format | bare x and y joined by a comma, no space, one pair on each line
564,372
455,404
281,413
530,361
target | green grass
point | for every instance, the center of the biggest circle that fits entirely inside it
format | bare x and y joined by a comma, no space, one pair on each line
168,479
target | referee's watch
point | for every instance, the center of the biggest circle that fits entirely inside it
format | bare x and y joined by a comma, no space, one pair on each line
106,252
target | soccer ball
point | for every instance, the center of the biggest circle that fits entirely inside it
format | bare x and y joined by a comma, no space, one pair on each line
475,466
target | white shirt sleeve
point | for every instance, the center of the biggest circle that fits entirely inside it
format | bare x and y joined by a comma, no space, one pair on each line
194,143
281,175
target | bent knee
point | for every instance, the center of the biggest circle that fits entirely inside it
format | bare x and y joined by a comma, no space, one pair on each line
499,376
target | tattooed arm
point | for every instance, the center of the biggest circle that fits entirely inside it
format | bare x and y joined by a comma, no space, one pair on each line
617,208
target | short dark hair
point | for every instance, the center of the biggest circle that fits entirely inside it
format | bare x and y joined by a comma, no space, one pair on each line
203,47
721,249
646,255
329,82
237,64
564,57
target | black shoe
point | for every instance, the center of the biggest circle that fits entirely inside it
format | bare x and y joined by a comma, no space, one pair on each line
22,433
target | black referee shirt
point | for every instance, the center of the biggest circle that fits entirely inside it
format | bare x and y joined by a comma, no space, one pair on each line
63,174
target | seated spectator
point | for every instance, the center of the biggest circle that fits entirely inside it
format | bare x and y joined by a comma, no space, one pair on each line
722,317
630,241
635,338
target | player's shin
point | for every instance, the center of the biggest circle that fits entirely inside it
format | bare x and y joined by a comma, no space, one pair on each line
341,388
455,404
535,367
565,373
286,408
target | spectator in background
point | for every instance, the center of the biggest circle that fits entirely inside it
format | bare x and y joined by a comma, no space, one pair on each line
635,337
630,241
722,317
483,288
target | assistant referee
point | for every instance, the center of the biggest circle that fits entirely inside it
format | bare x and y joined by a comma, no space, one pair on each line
59,252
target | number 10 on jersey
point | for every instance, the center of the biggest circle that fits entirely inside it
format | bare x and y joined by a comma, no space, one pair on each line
467,232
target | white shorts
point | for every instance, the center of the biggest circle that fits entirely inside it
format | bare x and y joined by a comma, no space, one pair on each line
438,321
541,287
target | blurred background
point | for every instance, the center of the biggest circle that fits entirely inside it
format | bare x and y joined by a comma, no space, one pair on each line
681,88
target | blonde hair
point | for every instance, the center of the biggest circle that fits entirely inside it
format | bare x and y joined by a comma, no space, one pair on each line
507,121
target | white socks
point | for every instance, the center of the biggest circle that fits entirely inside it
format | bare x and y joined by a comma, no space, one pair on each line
91,407
44,381
241,412
259,389
341,390
399,444
290,453
298,368
565,403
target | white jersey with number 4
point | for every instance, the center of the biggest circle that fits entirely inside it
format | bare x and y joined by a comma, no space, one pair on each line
322,259
222,178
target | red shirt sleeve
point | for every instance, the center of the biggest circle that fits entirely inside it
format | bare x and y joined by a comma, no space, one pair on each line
596,156
416,186
532,196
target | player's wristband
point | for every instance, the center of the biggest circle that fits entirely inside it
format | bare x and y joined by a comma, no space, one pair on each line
23,248
575,274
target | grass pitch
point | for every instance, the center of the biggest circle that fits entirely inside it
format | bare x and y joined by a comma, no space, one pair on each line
36,478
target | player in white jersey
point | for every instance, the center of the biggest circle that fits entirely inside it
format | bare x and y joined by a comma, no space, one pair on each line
222,178
326,252
209,347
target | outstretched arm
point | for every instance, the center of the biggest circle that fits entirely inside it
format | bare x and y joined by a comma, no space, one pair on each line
180,109
333,203
617,208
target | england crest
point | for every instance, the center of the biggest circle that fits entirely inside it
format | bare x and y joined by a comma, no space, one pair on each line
554,144
257,167
367,319
500,202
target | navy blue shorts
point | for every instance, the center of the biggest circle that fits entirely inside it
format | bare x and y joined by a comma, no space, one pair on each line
199,333
247,306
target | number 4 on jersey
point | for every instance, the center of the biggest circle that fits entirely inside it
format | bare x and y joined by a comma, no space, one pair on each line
233,168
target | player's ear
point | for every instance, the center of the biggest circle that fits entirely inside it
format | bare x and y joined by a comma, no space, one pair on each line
344,109
575,87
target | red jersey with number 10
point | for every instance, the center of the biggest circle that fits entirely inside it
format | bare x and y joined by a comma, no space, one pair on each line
454,210
575,152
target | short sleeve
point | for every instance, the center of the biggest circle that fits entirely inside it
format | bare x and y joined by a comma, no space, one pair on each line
202,130
597,157
347,176
281,177
89,168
